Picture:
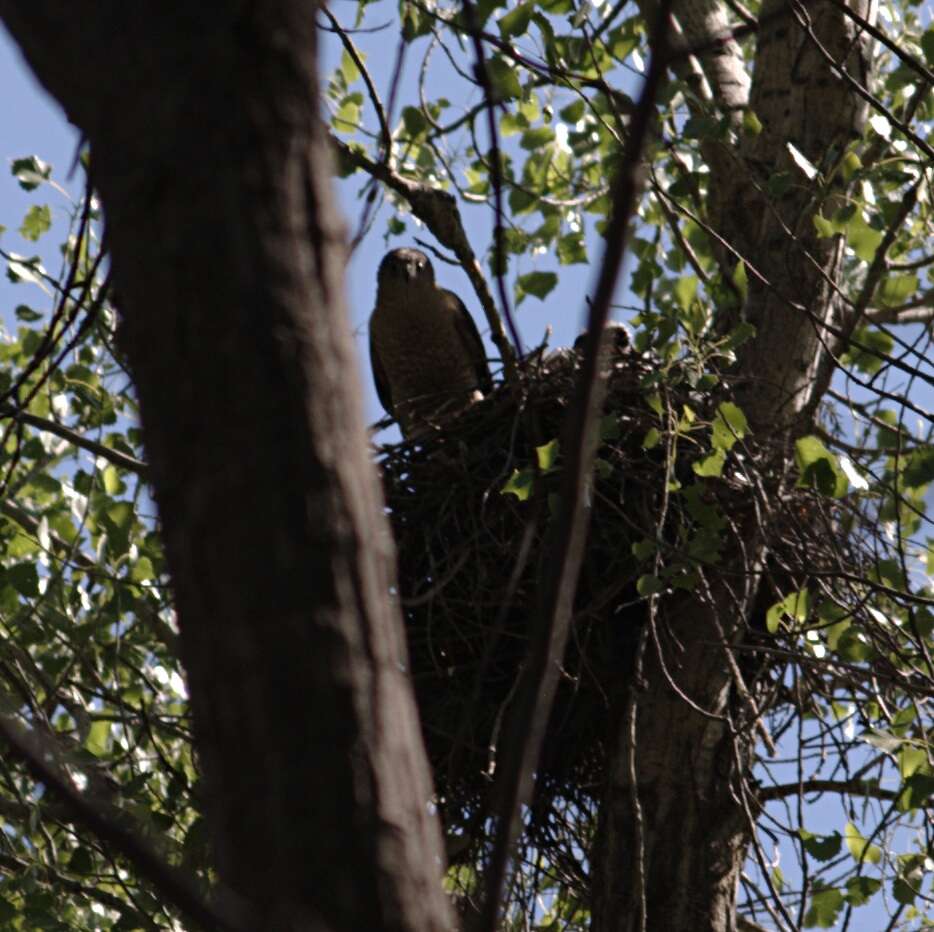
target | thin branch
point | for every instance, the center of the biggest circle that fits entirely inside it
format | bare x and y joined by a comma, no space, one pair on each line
854,787
496,175
913,63
901,315
122,460
529,717
355,57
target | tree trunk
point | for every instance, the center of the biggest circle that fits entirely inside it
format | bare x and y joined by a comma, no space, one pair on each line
228,258
689,831
694,831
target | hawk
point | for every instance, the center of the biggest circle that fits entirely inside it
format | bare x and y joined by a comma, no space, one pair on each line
425,349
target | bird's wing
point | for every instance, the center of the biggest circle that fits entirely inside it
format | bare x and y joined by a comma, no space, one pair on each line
379,377
467,330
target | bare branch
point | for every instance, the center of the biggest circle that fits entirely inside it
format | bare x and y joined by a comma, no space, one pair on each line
853,787
901,315
528,718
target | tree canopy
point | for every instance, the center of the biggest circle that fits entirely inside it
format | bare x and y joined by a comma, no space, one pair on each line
668,604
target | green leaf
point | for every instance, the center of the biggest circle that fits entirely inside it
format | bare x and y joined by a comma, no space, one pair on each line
504,79
573,112
572,250
348,67
537,137
415,22
27,314
729,425
24,578
868,350
98,739
652,436
649,585
918,470
538,284
347,117
824,227
512,123
859,847
917,792
519,484
414,121
81,861
685,289
927,46
819,468
547,455
859,890
882,740
825,905
751,123
142,570
738,335
610,427
903,892
796,606
711,465
37,221
897,289
701,127
644,549
821,847
111,480
910,759
850,165
863,239
516,22
30,171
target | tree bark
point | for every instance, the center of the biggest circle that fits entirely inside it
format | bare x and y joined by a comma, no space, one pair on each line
680,823
670,846
808,58
227,254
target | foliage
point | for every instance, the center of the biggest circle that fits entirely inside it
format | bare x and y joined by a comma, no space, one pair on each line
89,660
89,655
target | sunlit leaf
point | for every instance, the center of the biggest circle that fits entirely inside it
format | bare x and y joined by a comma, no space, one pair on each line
859,847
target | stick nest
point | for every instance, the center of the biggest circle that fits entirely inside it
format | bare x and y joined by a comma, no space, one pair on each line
472,554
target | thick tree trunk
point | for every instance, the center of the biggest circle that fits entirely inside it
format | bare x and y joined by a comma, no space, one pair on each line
228,258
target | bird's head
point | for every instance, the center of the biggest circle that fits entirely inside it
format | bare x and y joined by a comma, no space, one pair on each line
405,269
617,339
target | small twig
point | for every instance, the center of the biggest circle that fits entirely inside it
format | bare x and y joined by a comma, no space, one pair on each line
496,175
351,49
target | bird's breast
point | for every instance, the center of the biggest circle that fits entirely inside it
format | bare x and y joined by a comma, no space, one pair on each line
422,351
